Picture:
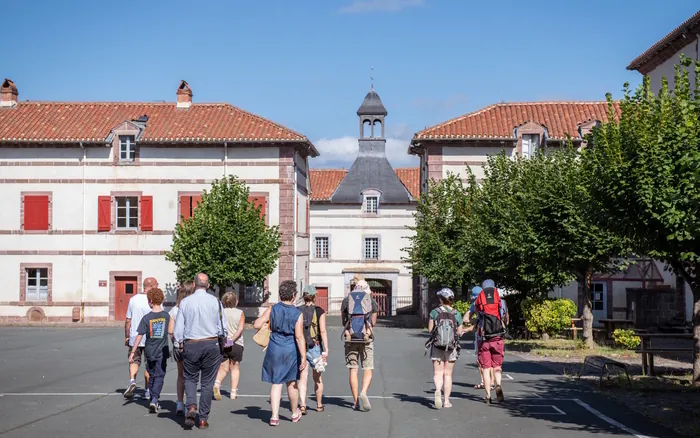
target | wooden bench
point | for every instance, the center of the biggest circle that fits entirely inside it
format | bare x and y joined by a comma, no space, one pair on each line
648,357
602,364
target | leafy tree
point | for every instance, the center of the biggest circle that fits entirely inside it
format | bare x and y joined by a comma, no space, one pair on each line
548,317
647,172
226,238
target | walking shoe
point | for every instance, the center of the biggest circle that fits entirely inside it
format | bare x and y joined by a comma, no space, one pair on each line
154,406
499,393
191,415
180,409
217,393
130,390
364,402
233,394
147,394
438,399
203,424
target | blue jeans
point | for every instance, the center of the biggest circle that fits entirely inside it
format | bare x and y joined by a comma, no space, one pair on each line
156,369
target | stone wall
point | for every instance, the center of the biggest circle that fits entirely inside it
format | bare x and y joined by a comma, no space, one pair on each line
653,307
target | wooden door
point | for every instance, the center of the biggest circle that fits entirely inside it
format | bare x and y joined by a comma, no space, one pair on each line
125,288
322,297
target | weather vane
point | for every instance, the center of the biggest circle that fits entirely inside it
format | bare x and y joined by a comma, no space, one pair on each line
371,76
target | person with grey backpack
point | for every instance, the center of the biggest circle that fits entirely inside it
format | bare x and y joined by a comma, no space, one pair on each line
445,328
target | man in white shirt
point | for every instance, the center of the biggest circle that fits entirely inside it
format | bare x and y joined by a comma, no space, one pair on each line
138,308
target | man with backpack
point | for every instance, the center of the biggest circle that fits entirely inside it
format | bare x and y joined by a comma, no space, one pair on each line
359,315
491,312
445,328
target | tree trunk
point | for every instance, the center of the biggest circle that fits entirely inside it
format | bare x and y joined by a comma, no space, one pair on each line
696,337
584,287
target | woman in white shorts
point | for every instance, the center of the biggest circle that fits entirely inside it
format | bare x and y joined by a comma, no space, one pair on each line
444,358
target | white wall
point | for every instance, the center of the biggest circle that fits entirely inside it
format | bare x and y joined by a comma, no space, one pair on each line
667,69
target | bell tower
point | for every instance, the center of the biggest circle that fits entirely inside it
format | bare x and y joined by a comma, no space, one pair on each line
371,114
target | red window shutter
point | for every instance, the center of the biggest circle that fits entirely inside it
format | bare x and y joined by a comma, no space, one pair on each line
36,212
104,213
146,213
196,200
185,207
259,201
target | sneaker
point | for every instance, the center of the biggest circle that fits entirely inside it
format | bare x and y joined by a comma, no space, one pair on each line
147,394
180,409
438,400
130,390
217,393
190,417
499,393
233,394
364,402
153,407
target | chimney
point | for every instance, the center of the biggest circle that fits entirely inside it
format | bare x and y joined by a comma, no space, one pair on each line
8,93
184,95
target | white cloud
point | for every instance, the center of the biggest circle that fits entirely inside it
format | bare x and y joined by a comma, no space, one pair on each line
360,6
341,152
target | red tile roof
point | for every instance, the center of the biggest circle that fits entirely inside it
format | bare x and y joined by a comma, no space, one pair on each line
325,181
669,45
91,122
499,121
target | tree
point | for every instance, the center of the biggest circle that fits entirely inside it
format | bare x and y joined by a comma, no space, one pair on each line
647,172
226,238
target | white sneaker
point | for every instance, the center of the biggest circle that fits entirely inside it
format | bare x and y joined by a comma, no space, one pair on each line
180,409
147,395
130,390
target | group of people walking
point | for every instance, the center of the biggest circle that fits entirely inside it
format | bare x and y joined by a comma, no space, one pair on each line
207,344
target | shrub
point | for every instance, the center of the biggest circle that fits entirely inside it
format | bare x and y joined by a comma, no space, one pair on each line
548,316
462,307
626,338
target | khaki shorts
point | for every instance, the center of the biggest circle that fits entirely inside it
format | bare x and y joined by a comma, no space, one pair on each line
362,353
137,355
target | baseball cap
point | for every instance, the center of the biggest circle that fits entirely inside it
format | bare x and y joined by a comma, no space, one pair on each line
488,283
310,290
476,290
446,292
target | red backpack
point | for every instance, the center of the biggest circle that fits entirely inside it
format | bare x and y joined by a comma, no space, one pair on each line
488,304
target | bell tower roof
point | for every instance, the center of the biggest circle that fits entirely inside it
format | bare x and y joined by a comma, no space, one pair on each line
372,105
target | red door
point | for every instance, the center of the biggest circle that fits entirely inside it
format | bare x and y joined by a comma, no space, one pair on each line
322,297
125,288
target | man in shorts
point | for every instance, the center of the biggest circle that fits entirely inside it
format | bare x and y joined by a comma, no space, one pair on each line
138,308
357,354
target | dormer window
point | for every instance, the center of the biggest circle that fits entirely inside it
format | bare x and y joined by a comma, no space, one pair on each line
127,147
372,204
531,143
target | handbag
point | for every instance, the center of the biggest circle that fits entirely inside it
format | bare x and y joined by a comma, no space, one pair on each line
221,338
262,336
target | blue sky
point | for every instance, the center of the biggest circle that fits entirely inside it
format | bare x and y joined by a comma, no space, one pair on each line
306,64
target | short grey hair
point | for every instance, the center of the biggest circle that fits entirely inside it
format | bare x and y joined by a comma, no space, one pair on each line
201,280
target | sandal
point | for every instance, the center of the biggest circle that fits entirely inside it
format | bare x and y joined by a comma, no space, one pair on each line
479,386
303,410
233,394
320,408
274,422
297,416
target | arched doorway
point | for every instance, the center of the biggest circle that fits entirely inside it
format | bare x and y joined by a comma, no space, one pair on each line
381,292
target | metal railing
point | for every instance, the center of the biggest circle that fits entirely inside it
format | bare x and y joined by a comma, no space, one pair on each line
387,305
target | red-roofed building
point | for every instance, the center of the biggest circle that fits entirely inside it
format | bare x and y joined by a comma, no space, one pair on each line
93,190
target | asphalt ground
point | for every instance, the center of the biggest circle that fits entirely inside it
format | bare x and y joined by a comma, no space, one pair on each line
58,382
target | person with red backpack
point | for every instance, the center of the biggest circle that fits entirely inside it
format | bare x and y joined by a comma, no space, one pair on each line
490,309
445,328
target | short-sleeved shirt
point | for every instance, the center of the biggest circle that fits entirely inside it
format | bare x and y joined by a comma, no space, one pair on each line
233,318
173,317
154,327
310,343
344,309
138,307
435,311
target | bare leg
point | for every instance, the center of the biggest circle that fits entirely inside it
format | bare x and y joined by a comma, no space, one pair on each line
498,374
221,375
487,381
235,378
303,386
449,367
438,377
318,386
366,380
353,385
133,370
293,394
146,377
275,398
180,383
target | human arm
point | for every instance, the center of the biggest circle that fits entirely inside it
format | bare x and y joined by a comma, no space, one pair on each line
431,325
133,350
179,331
375,311
239,330
301,340
262,319
171,328
222,323
324,334
127,330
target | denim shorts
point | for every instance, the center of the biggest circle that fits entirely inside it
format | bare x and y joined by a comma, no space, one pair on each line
312,354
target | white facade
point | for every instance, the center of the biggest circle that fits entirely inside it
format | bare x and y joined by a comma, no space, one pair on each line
667,68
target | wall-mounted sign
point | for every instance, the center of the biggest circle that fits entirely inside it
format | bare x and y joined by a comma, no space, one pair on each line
103,283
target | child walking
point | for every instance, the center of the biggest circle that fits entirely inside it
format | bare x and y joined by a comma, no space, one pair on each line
154,326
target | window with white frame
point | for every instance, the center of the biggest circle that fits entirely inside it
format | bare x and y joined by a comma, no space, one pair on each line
253,293
372,248
322,247
127,212
372,204
37,284
127,148
531,143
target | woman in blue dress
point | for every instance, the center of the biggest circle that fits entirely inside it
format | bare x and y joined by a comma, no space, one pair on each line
286,353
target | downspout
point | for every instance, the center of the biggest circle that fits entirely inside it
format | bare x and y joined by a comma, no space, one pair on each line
83,287
294,221
225,157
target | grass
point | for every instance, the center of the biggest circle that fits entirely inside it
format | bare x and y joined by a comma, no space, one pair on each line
565,348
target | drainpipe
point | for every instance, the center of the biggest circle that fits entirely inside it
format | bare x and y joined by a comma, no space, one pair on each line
225,157
294,221
83,287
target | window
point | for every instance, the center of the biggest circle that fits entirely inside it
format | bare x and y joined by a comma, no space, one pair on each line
187,205
36,212
127,148
127,212
253,293
37,284
531,143
372,204
322,247
597,296
372,248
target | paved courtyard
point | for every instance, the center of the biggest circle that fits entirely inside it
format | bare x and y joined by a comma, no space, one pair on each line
68,383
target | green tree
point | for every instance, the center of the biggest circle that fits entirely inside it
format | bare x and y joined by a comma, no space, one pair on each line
226,238
647,173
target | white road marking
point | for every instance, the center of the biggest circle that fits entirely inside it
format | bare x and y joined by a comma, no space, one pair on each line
609,420
508,375
558,411
103,394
